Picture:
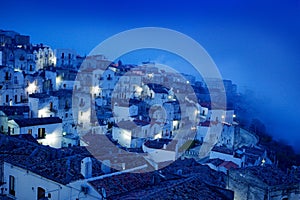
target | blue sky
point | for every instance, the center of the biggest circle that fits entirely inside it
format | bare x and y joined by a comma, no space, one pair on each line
254,43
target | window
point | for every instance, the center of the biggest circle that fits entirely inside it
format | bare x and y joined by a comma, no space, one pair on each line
2,128
63,55
16,98
66,115
41,133
51,106
67,104
41,193
7,98
12,185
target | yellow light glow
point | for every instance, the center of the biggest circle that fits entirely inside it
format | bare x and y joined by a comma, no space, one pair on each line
157,136
31,88
138,89
95,90
58,80
150,75
193,128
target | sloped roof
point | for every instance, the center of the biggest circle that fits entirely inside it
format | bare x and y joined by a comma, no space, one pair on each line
196,181
228,165
59,165
269,175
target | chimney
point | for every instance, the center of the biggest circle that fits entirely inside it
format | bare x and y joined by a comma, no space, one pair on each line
105,166
86,167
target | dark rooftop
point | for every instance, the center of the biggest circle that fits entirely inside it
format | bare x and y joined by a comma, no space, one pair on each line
60,165
37,121
14,110
158,88
39,95
269,175
221,149
158,143
195,181
61,92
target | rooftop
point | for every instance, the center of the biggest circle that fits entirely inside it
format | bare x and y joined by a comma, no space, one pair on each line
39,95
221,149
269,175
195,180
14,110
228,165
159,143
59,165
38,121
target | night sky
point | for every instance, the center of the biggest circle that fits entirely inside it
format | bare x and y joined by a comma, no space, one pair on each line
254,43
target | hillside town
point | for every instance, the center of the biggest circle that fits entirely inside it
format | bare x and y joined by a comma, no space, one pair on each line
84,127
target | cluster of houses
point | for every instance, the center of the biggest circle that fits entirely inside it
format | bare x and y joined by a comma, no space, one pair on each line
88,128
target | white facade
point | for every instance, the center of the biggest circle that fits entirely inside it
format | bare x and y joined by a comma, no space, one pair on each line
123,113
65,57
44,57
131,137
159,155
43,106
227,136
221,116
12,91
0,57
27,185
226,157
46,134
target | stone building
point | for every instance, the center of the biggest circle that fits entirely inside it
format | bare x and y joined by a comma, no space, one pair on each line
262,183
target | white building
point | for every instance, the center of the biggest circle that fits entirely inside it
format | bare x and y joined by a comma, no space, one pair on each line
124,112
43,105
12,112
47,131
65,57
11,86
44,56
160,150
226,154
131,134
224,116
